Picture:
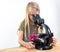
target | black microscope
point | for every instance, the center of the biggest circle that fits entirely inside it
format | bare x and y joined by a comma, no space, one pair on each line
44,40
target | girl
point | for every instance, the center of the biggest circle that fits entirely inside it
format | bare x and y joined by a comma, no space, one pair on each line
27,27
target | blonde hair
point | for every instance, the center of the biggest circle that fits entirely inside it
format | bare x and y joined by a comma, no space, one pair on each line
30,4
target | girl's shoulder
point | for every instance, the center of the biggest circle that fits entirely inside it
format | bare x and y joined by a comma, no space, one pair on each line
21,25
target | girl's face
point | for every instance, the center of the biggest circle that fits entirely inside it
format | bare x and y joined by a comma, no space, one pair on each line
32,10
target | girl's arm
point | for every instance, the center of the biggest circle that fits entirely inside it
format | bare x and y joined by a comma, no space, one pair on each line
26,44
20,37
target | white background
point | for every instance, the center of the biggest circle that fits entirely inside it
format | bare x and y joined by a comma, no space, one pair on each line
12,12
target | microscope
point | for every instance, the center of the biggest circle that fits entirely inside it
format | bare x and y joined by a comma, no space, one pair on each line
42,41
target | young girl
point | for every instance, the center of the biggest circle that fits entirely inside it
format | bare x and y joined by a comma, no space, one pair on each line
27,27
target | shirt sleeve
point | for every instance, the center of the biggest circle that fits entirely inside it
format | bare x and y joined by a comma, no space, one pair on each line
21,27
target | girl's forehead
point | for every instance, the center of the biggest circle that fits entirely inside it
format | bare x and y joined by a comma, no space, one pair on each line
36,7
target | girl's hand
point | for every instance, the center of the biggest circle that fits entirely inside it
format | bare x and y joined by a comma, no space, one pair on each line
29,45
54,41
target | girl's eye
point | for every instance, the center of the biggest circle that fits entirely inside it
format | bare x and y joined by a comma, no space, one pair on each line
35,8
